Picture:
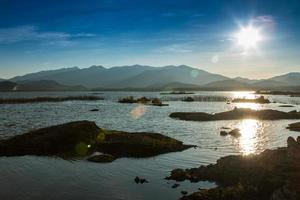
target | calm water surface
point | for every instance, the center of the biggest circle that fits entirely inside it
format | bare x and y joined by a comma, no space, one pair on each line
32,177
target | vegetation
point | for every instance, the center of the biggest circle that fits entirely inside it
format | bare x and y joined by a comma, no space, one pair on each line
49,99
260,99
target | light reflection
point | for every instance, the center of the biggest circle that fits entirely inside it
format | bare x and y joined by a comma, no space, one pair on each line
248,141
244,94
138,112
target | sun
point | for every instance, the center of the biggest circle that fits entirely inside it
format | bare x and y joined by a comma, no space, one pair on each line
248,37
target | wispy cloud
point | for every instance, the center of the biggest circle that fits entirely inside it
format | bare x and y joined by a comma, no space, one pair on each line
32,33
175,48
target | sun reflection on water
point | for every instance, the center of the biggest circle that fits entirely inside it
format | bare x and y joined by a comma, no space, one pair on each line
247,141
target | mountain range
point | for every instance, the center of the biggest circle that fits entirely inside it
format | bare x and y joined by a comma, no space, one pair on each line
144,77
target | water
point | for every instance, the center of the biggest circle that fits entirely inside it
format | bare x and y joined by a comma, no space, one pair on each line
31,177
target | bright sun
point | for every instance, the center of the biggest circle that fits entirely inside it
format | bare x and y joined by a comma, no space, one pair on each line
248,37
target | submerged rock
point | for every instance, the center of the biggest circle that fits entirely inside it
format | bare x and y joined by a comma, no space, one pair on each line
273,174
103,158
237,113
188,99
138,180
94,110
294,126
81,138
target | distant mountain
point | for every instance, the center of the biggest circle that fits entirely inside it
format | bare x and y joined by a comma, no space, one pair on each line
43,85
230,84
291,79
136,76
161,76
42,74
245,80
139,77
268,84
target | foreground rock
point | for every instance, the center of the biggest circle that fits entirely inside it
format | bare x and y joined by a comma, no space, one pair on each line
81,138
260,100
294,126
271,175
237,113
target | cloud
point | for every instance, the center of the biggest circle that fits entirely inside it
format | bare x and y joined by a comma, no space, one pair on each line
33,34
175,48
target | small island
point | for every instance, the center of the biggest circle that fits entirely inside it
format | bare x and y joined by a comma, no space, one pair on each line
83,138
260,100
176,93
143,100
237,113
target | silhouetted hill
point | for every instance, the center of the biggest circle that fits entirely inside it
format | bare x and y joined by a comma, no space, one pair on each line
42,85
137,76
141,77
227,85
161,76
291,79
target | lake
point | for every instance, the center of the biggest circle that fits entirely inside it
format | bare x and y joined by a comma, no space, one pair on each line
32,177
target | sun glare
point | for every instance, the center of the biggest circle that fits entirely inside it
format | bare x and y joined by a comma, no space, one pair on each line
248,37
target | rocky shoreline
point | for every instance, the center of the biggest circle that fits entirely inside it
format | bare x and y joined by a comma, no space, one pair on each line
273,175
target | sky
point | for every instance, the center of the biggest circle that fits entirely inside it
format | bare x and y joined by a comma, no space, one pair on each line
42,35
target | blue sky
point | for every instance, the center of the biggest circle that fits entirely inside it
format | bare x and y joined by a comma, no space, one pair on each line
41,35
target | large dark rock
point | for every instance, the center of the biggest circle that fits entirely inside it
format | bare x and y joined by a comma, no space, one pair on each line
273,174
81,138
294,126
237,113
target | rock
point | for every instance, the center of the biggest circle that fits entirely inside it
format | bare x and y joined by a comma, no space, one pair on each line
272,174
178,175
142,181
286,106
291,142
94,110
188,99
298,140
138,180
66,140
184,192
294,126
175,185
237,113
103,158
235,132
223,133
82,138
